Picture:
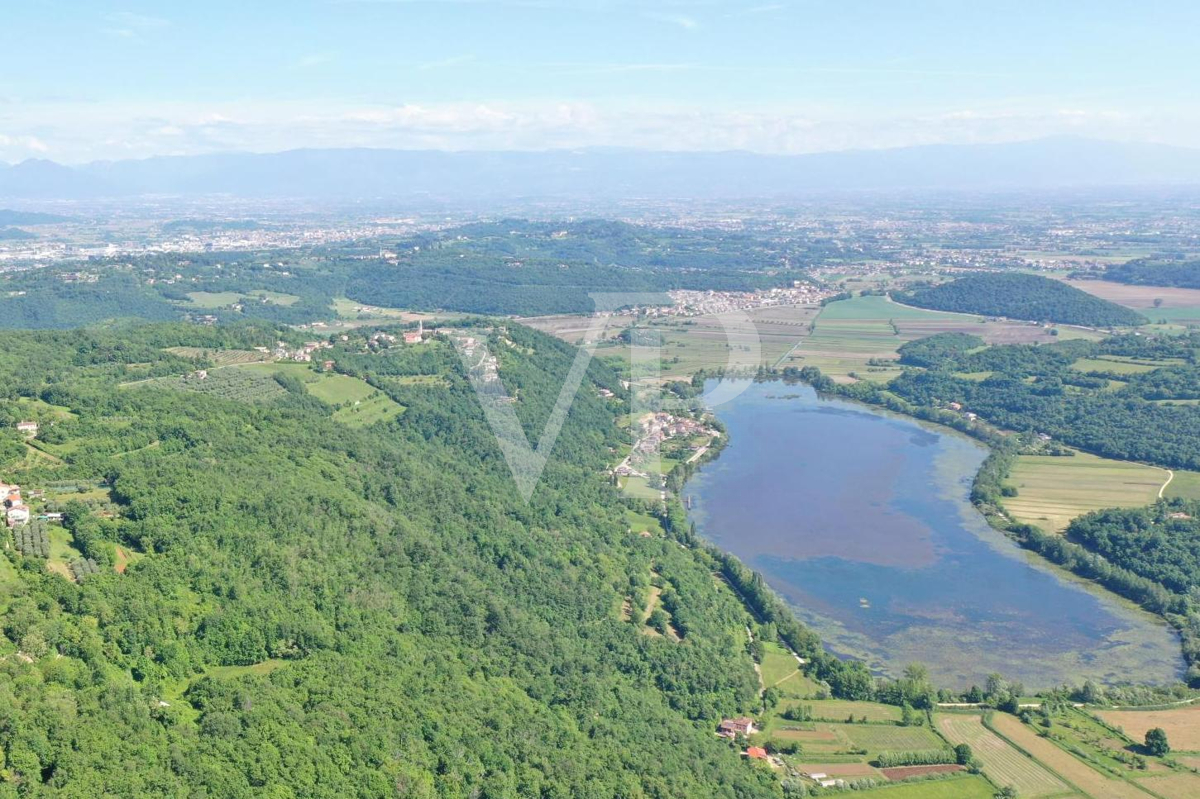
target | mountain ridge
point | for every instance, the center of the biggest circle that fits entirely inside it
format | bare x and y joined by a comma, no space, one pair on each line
1058,162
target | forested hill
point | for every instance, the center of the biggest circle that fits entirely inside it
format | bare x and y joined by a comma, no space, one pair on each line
1145,272
1021,296
257,593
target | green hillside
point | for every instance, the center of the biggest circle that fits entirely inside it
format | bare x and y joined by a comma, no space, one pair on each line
314,608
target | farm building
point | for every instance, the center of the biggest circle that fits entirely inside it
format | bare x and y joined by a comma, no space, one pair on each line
730,728
28,428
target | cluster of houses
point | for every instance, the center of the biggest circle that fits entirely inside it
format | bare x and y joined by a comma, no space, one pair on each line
304,354
16,512
655,429
381,339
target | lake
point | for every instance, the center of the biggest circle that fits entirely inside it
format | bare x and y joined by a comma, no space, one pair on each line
862,521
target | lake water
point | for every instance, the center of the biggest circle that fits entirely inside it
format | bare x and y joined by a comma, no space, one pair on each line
861,520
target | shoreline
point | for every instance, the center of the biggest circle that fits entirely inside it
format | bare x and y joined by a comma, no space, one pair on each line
987,439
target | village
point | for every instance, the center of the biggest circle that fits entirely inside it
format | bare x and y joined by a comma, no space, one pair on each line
687,303
655,428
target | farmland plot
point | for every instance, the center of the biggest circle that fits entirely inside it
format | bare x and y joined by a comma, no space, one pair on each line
1002,763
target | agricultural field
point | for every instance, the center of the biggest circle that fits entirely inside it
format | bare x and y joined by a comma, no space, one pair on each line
877,738
219,357
1075,771
849,334
968,787
1052,490
238,383
1180,785
1002,763
1142,298
1182,724
840,709
355,402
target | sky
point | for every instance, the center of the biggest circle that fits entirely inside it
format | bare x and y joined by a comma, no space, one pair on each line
94,80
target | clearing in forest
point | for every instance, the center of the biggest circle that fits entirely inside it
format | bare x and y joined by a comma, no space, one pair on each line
1052,490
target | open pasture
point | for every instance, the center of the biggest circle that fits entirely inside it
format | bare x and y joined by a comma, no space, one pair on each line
1002,763
1182,724
1053,490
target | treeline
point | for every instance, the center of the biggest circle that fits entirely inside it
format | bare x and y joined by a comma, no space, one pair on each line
1021,296
487,284
1151,272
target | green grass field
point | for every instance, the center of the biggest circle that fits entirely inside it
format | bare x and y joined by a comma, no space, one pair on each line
1184,485
1112,365
356,402
643,522
840,709
1052,490
968,787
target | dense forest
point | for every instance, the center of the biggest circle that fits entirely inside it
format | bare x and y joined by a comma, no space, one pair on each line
309,607
1021,296
504,268
1150,272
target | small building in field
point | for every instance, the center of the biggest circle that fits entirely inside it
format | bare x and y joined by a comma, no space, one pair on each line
29,429
756,753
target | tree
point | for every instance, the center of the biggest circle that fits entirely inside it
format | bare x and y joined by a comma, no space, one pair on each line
963,754
1007,792
1156,742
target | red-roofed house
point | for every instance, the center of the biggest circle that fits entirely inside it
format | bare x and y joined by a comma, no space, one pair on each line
756,753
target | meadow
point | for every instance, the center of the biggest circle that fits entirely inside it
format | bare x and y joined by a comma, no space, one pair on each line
1053,490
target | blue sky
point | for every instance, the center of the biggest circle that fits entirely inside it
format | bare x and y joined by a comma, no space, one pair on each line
87,80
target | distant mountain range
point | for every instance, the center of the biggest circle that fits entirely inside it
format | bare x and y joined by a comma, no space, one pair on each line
610,173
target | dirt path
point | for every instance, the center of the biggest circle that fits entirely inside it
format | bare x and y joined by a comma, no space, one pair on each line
1170,477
